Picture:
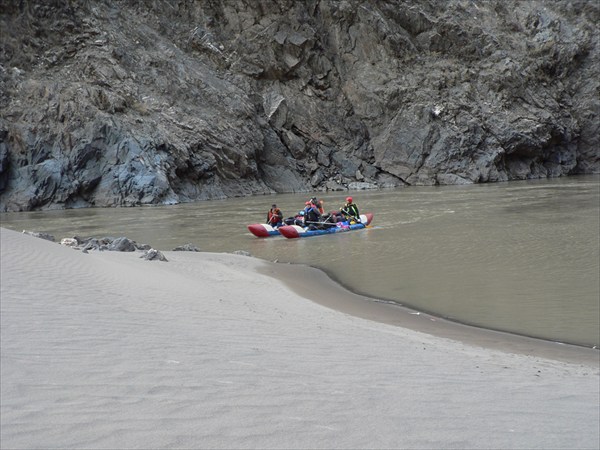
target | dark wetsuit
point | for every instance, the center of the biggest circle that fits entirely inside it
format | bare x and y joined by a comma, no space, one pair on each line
311,216
350,209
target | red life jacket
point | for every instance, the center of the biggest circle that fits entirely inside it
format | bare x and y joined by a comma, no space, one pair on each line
275,216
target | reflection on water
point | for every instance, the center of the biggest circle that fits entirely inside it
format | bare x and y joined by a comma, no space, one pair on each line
521,256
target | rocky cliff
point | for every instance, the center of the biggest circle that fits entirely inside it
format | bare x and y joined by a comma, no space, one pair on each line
107,103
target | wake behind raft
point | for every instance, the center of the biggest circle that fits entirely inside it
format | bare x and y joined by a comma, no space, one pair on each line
296,231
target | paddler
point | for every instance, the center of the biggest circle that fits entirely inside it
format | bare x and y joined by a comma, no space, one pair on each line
275,216
350,211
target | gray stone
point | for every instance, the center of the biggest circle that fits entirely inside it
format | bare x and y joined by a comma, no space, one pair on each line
122,244
186,248
154,255
69,242
359,185
91,244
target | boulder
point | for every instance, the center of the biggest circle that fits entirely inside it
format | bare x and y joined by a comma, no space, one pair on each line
69,242
122,244
154,255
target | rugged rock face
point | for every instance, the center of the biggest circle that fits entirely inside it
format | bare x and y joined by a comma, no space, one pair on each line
107,103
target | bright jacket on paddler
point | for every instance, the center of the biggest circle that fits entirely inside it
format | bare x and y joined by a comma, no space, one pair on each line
274,216
350,209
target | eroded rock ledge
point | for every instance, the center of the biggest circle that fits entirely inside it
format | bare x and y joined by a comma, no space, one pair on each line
125,103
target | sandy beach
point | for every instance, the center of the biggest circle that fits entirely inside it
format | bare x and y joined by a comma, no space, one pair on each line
107,350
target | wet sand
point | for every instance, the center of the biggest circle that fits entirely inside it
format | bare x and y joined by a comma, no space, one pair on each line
107,350
328,293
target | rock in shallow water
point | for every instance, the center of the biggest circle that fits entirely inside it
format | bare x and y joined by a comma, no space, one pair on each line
186,248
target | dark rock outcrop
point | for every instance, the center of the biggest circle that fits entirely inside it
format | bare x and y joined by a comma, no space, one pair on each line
126,103
186,248
122,244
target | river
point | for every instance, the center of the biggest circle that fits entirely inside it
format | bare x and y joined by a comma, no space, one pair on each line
522,257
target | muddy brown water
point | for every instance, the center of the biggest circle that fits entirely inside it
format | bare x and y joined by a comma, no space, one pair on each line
521,257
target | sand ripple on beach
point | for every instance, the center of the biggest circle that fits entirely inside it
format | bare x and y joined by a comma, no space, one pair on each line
105,350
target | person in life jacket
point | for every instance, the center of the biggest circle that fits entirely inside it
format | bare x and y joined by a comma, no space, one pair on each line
350,210
318,204
275,216
326,220
312,217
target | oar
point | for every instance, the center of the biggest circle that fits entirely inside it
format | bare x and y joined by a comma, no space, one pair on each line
352,215
320,223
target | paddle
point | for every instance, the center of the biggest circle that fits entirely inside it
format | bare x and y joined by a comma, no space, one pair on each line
348,213
331,224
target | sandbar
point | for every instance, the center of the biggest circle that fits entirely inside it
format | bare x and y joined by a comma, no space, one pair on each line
107,350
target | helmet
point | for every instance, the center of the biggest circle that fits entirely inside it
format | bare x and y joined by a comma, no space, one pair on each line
349,199
302,212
